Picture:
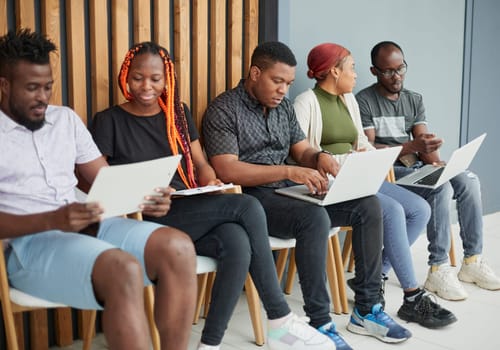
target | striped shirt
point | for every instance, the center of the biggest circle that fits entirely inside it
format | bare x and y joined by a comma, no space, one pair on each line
393,121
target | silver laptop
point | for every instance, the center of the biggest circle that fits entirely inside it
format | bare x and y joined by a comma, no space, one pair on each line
361,175
120,189
430,176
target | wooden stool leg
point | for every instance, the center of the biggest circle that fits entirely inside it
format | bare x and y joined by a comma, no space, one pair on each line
292,270
254,310
340,273
453,259
87,338
331,271
149,303
200,299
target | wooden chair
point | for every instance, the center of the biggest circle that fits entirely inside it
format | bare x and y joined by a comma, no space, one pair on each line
334,268
15,302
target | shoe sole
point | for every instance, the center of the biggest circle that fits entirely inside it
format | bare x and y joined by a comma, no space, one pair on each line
442,323
351,327
430,288
479,284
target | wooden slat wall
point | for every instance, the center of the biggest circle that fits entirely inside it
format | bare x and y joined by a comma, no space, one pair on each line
3,16
210,41
206,64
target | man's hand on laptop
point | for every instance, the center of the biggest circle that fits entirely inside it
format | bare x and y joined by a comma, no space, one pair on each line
159,204
327,164
427,143
315,182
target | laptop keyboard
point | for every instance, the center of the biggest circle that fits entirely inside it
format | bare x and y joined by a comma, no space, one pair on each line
430,179
317,196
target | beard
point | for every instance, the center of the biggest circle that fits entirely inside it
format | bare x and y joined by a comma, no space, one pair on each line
24,120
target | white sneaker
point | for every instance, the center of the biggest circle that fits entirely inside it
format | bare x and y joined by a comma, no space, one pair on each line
202,346
479,273
444,283
296,334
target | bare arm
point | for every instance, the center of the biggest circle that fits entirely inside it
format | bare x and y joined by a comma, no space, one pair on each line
204,171
71,218
231,169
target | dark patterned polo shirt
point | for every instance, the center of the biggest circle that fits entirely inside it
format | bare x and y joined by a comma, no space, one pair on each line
235,123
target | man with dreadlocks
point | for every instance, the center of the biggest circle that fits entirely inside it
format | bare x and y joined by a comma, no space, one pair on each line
52,253
232,228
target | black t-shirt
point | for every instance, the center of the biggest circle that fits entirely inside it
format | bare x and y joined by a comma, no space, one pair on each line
126,138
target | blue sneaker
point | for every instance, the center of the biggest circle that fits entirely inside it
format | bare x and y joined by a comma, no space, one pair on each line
330,331
378,324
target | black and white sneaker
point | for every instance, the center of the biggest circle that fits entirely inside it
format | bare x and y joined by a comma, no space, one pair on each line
423,310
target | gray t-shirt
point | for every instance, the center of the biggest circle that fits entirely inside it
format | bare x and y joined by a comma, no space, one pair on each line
393,121
234,123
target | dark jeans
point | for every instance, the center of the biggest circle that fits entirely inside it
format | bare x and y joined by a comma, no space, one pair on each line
231,228
310,224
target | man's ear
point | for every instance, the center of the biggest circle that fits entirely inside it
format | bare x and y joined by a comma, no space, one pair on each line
373,70
254,73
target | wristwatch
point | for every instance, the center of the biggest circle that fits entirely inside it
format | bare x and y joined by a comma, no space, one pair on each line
322,151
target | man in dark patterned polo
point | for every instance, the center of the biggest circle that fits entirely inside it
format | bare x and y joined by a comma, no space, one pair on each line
249,133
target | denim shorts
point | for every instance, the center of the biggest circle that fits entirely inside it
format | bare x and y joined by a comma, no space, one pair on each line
57,266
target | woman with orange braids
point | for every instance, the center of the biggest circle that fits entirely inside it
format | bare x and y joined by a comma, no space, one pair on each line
232,228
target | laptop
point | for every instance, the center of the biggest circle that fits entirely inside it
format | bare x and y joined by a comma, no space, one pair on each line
361,175
120,189
430,176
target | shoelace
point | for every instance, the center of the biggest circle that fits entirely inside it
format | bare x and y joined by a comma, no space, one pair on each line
381,315
426,305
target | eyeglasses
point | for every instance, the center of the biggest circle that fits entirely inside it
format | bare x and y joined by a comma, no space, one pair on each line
389,73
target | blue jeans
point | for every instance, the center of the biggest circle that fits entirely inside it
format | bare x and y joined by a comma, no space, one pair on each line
405,217
310,224
231,228
465,189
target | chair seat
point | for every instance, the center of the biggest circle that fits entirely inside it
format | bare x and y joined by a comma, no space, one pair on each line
27,300
205,264
281,243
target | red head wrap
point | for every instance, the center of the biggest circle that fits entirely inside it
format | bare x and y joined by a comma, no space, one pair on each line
323,57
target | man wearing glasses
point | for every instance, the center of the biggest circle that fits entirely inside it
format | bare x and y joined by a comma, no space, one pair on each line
393,115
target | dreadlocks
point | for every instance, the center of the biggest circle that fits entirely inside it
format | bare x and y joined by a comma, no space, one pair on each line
169,101
23,45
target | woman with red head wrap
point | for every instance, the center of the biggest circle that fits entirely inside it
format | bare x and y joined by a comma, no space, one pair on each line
329,116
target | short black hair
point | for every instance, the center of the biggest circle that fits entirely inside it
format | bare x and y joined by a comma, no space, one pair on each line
383,44
24,45
270,52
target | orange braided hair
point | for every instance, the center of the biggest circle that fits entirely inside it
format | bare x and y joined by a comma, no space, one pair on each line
169,101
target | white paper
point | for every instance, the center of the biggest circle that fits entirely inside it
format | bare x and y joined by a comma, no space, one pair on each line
120,189
203,189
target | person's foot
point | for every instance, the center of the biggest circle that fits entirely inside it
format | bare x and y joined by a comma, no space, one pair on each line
423,310
202,346
443,281
296,334
378,324
480,273
331,332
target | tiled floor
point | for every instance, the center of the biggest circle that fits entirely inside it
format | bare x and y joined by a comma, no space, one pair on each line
476,328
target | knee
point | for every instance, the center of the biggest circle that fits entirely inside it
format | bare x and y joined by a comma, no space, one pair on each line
115,272
170,247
